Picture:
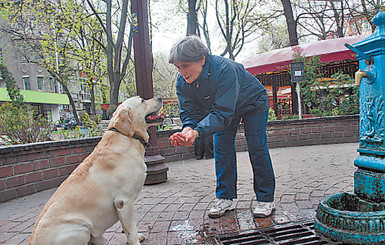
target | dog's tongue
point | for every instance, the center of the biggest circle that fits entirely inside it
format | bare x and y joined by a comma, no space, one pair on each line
153,117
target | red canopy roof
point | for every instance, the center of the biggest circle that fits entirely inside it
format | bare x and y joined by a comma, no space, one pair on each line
279,59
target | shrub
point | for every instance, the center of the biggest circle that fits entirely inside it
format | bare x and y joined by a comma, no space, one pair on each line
272,116
289,117
12,89
92,123
69,133
337,96
21,125
170,110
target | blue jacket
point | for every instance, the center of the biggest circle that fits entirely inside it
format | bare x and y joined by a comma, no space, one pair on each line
223,91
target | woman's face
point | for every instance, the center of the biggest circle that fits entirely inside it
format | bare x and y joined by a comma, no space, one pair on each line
190,70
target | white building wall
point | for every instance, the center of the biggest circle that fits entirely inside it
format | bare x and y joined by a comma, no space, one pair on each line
55,112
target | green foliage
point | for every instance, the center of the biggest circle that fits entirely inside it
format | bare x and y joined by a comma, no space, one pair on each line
272,116
170,110
164,127
92,124
164,75
104,93
21,125
313,70
128,86
70,134
289,117
337,96
62,37
327,97
12,89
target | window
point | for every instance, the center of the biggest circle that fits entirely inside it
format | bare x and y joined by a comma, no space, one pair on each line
40,83
27,85
86,88
56,88
85,91
22,58
51,84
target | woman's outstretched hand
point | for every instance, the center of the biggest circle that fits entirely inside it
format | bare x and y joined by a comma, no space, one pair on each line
185,138
177,139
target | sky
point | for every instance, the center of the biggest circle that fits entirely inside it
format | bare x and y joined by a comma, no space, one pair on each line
167,25
170,24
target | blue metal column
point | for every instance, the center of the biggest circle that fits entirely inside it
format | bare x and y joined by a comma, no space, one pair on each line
359,217
369,179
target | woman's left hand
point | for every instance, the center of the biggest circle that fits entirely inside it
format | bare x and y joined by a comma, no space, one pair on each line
177,139
185,138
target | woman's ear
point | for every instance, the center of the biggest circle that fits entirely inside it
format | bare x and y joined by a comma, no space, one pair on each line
203,60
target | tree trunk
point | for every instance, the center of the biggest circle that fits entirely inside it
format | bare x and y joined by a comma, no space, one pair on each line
114,51
114,90
205,26
92,93
291,23
72,103
339,20
192,18
115,69
110,52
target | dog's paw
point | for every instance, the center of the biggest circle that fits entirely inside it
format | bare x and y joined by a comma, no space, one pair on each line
135,241
97,241
141,237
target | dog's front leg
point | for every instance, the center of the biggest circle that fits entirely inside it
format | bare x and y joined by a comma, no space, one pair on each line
125,209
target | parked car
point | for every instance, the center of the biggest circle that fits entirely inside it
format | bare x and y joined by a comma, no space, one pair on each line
67,124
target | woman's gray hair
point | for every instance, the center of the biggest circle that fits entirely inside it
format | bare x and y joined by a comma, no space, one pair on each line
187,49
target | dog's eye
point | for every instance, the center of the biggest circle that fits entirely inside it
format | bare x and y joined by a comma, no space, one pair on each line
142,100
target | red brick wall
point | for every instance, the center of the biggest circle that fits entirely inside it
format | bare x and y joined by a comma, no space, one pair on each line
29,168
311,131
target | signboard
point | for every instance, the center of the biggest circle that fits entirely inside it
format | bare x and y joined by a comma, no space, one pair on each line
37,97
297,72
297,76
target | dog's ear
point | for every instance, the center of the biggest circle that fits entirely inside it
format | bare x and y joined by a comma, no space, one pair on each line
122,121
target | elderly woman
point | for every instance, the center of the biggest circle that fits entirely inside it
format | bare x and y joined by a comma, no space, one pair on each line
214,94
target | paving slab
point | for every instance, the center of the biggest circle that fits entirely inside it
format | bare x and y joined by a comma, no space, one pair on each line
175,212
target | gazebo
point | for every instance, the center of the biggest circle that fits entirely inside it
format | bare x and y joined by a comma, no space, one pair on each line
272,68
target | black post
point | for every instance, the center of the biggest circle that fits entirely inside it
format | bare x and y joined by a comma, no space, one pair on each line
142,51
156,169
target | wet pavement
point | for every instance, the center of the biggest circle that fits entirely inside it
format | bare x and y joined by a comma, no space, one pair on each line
175,212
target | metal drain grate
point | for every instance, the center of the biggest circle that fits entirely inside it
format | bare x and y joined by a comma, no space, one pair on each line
288,235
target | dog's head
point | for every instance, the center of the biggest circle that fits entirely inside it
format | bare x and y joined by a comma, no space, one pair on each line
135,115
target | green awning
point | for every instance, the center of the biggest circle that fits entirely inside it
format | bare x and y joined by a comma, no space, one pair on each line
37,97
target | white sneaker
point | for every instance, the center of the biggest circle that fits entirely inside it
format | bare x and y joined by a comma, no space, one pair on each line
220,207
263,209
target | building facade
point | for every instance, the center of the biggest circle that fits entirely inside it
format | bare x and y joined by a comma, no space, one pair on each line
39,88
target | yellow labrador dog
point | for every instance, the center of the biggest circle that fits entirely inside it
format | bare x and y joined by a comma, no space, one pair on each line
103,188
